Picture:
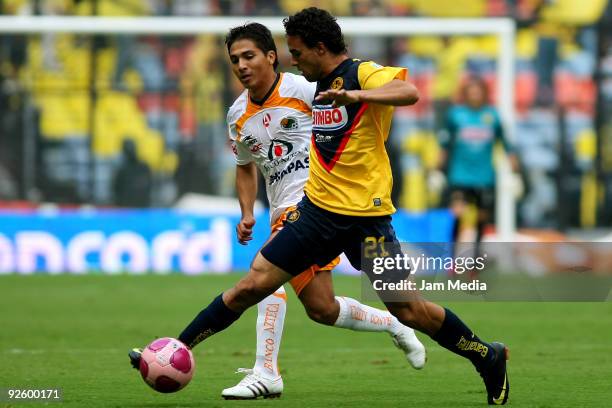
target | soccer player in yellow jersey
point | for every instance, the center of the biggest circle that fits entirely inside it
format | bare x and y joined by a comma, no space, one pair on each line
269,126
347,202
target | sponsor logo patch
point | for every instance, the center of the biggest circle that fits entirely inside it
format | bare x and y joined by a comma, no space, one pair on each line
252,143
248,140
476,134
329,118
279,148
319,138
266,120
295,166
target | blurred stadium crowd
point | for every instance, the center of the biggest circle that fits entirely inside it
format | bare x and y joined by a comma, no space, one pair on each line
139,121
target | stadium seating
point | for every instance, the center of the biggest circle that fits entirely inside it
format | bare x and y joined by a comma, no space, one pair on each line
166,93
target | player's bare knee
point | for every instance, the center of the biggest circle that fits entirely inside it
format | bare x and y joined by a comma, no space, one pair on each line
322,316
321,310
319,300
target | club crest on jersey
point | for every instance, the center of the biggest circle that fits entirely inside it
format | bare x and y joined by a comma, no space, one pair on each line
293,216
289,123
487,118
337,83
328,117
279,148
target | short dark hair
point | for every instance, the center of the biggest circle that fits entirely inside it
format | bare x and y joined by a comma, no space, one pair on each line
314,25
258,33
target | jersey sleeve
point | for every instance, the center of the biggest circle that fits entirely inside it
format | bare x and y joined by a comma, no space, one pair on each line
242,154
372,75
307,90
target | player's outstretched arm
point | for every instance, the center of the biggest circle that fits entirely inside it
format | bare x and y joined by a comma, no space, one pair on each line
396,93
246,188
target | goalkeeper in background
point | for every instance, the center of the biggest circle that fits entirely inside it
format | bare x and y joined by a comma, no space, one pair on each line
472,129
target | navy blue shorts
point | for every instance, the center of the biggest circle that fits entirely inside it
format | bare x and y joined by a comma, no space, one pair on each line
312,235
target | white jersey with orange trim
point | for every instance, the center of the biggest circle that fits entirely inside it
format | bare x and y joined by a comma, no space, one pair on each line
275,134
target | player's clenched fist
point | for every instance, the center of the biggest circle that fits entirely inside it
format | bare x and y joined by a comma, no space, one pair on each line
244,229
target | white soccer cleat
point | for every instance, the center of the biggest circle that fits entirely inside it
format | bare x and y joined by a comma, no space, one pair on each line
253,386
407,341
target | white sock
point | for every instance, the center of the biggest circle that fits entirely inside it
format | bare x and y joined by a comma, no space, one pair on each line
270,321
356,316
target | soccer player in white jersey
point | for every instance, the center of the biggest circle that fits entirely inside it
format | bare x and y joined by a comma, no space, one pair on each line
270,127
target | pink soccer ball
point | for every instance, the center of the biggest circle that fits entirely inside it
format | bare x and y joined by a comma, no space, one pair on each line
167,365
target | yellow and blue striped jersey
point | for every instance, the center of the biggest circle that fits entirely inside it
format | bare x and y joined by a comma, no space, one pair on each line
350,171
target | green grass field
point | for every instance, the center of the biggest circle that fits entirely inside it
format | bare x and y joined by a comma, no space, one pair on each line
74,332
